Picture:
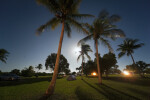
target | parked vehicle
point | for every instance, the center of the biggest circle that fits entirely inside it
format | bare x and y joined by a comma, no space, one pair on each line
9,76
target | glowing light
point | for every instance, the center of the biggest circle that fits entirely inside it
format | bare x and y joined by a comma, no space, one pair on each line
94,74
126,73
76,50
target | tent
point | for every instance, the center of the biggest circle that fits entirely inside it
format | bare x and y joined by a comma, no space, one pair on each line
71,78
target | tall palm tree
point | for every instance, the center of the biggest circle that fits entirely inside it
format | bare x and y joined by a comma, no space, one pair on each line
127,48
3,55
39,67
85,48
66,13
101,29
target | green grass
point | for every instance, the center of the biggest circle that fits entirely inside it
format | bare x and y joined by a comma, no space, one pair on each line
87,89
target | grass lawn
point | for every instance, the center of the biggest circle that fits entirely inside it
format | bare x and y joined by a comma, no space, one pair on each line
87,89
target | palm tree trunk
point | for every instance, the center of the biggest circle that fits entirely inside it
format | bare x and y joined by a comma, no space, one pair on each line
132,59
98,66
51,87
82,69
134,65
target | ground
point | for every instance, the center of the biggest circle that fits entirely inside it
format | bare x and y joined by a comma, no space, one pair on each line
113,88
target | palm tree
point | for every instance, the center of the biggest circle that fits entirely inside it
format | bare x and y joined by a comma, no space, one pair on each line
101,29
128,47
3,55
39,67
66,13
85,48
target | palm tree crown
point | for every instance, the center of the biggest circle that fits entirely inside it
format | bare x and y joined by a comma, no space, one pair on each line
128,47
85,48
39,67
65,11
103,28
3,55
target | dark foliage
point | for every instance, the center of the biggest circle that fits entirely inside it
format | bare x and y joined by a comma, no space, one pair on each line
28,72
63,63
16,71
3,55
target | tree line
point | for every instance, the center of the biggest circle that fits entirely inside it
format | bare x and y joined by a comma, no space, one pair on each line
49,64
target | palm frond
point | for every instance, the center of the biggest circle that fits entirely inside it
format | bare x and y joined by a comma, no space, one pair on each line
51,23
106,43
85,39
109,26
114,18
75,6
121,54
3,55
67,3
114,33
119,49
77,25
88,27
79,57
85,48
103,14
81,16
129,53
90,50
68,29
134,40
138,45
55,24
88,56
3,60
52,5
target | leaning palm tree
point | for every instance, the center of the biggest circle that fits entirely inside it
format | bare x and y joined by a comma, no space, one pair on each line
128,47
101,29
39,67
3,55
66,13
85,48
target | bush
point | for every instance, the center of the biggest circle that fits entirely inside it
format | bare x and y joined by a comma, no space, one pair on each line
28,72
16,71
43,74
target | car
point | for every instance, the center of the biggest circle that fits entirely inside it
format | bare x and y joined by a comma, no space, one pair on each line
9,76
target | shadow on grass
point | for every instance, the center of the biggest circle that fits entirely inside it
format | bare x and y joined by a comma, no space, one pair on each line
101,92
118,95
83,95
131,80
25,81
53,97
145,94
111,93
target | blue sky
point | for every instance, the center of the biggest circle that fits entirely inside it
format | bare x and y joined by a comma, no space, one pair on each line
19,20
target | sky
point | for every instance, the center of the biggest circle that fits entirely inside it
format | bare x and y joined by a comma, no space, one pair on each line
19,20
